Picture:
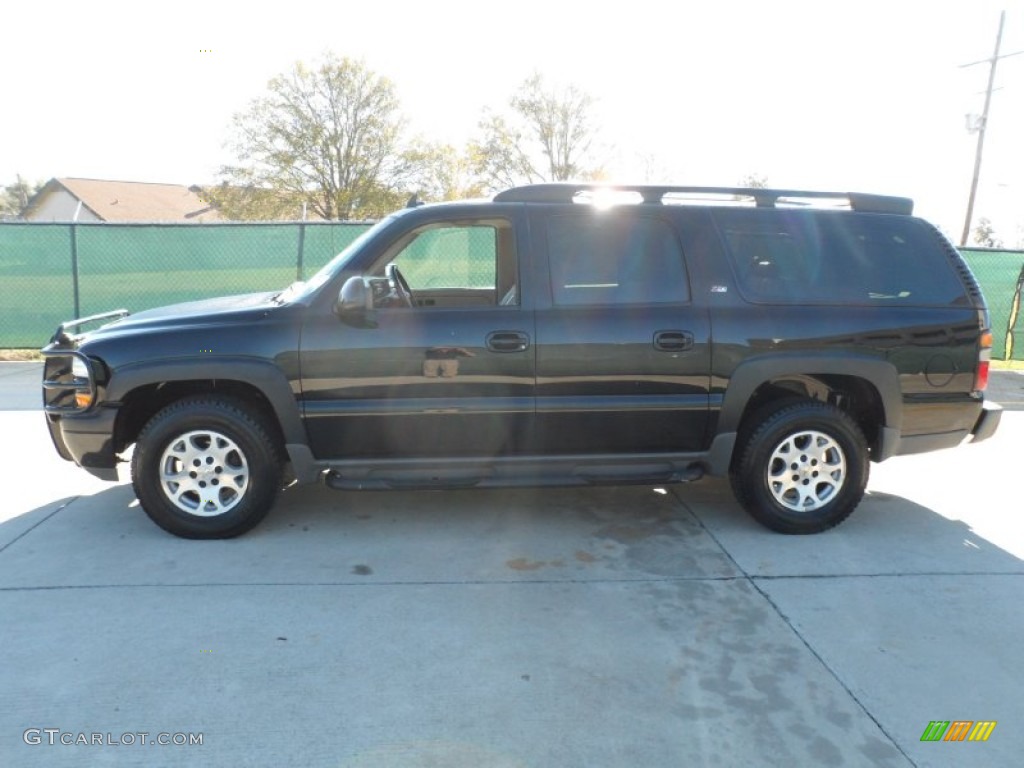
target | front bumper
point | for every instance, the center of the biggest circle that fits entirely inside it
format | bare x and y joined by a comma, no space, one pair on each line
86,439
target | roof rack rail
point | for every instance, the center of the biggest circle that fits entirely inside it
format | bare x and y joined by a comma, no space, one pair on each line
568,192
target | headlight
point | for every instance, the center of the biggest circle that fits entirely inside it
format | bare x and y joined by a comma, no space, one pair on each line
79,369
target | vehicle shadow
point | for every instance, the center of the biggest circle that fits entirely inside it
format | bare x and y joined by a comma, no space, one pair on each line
886,534
318,536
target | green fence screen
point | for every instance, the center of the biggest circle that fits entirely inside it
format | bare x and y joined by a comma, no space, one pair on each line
1001,275
54,272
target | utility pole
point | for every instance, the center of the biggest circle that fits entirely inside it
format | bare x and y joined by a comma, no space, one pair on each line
983,125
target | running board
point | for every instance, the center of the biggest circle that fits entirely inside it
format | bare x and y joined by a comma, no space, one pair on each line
505,476
409,479
638,473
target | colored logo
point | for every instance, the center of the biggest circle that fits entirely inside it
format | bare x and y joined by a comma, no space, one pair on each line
958,730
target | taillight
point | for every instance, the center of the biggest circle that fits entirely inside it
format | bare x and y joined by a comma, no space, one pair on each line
984,354
981,377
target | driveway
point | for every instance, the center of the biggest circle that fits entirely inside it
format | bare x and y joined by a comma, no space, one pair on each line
634,626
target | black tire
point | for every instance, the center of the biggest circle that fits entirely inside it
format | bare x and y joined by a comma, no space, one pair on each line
206,468
802,467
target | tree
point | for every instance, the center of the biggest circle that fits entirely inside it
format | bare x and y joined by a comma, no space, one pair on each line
441,172
14,197
252,203
328,136
546,135
651,167
985,234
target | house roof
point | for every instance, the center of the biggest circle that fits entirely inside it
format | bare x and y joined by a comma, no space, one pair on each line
131,200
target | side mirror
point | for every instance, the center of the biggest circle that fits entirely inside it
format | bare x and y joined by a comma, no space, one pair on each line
355,303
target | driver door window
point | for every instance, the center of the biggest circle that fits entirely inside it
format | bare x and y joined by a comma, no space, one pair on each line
460,265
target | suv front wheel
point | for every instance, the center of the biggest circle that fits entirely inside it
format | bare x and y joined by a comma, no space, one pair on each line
802,467
206,468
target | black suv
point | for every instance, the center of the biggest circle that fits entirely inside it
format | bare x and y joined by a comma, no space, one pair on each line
558,334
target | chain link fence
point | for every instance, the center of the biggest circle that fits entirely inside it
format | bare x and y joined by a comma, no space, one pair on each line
50,273
1001,276
55,272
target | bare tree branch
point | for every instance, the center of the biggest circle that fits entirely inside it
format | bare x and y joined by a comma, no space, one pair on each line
547,135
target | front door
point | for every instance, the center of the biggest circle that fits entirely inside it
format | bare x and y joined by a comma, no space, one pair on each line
443,367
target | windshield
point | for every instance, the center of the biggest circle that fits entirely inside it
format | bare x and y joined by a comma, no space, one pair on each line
302,290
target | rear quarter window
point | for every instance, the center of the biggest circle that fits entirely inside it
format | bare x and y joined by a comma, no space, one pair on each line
845,258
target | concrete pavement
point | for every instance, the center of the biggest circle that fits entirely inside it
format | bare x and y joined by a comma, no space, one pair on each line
19,386
597,627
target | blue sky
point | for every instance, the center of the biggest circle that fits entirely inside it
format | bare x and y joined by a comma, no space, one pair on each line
825,95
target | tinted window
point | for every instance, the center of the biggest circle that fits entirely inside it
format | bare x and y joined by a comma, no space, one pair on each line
792,256
451,257
606,257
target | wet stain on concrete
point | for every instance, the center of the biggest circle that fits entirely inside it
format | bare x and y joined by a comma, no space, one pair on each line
526,564
734,658
825,752
523,564
627,534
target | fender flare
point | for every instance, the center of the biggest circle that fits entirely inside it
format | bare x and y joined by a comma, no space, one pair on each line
757,370
261,374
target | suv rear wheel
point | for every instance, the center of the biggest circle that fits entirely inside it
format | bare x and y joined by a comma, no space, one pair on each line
802,467
206,468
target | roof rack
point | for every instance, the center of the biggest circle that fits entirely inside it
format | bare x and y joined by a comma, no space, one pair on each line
568,192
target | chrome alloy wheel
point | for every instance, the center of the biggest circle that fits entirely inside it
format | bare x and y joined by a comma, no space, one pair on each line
806,471
204,473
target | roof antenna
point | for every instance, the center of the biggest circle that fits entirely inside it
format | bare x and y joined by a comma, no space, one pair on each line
414,201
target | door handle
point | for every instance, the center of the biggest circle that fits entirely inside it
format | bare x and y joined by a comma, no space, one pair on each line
673,341
507,341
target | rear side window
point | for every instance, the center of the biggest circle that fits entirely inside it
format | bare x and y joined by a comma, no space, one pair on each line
846,258
606,257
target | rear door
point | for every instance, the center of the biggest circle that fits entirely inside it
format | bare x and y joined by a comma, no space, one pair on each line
623,354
